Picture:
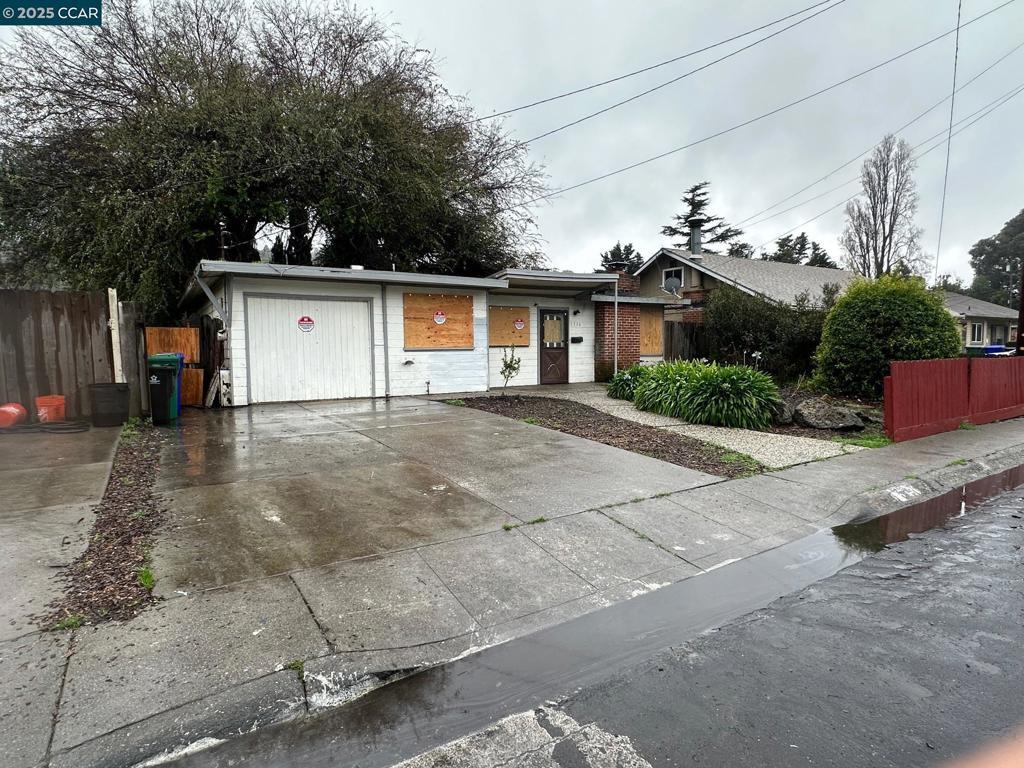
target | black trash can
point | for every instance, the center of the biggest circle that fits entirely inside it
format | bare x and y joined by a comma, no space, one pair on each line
162,394
109,404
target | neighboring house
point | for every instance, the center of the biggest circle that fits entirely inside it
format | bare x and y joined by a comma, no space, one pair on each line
295,333
982,323
695,275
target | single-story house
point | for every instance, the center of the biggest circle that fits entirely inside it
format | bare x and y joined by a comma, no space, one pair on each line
982,323
691,275
295,333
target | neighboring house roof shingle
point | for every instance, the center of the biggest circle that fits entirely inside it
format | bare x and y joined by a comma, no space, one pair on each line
959,304
771,279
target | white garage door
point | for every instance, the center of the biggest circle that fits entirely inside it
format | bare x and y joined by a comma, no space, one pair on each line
308,348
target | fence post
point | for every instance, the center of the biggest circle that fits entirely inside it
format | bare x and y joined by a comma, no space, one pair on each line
887,408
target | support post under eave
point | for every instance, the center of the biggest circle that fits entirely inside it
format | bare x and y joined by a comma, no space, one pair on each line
615,331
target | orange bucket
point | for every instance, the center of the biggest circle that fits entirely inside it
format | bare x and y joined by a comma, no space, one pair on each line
50,407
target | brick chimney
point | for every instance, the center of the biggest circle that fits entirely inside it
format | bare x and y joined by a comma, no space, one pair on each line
627,283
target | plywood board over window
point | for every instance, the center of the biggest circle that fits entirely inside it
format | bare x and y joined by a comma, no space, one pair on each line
652,326
438,321
508,326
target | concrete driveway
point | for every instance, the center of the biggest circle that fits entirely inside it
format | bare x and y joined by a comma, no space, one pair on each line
274,489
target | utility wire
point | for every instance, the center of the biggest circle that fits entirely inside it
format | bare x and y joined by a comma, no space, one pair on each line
902,128
764,115
635,72
667,83
994,106
949,142
1009,94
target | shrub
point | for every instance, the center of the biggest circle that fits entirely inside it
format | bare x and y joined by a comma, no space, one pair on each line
740,325
730,396
663,387
707,393
623,384
874,322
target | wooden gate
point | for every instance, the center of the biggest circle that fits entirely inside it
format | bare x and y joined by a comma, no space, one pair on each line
686,341
54,343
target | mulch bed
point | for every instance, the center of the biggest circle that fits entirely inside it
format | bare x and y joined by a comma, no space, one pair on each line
103,582
583,421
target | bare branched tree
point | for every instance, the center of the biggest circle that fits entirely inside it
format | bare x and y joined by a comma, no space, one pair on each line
880,235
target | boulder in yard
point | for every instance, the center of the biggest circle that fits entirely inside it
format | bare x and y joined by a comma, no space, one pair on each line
783,414
818,413
871,417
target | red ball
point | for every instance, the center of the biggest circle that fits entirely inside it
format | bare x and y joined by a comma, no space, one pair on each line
11,414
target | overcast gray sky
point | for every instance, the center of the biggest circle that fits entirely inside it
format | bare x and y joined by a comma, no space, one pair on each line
501,55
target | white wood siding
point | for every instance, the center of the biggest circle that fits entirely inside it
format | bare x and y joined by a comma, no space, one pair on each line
331,360
581,356
442,370
235,350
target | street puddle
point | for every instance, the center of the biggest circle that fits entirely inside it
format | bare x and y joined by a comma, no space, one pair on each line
874,535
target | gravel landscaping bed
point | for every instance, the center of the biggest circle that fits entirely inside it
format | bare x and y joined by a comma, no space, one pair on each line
583,421
110,579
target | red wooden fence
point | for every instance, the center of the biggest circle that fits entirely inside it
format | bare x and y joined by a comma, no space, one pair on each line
925,397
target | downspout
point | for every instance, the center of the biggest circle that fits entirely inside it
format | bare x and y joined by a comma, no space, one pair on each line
387,349
615,331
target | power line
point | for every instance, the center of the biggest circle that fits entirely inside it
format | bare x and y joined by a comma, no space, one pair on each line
1009,94
903,127
764,115
635,72
994,106
949,142
667,83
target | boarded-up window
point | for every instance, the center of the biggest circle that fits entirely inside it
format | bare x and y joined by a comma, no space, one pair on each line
508,326
438,321
652,325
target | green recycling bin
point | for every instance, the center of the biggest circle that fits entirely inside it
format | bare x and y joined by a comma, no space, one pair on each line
165,387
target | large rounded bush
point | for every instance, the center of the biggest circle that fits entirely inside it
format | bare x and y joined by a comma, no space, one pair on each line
706,393
874,322
624,383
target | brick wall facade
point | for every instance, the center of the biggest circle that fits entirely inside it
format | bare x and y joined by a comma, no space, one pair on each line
604,338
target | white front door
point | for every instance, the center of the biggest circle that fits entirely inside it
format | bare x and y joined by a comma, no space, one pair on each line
308,348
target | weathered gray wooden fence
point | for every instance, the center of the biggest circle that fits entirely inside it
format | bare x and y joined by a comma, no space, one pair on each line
54,343
686,341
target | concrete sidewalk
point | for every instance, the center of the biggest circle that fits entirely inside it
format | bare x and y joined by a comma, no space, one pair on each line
271,646
48,485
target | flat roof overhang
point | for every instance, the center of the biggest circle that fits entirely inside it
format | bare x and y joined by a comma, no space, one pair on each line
543,282
217,270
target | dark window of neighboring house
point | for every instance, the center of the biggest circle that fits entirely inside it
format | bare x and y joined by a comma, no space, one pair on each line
1013,334
976,333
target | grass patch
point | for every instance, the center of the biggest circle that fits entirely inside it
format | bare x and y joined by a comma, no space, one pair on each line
298,666
74,621
456,402
957,463
747,465
537,520
509,526
967,425
146,579
865,440
513,526
531,420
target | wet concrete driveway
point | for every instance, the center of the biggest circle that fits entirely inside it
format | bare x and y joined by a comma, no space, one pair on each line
273,489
